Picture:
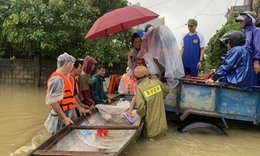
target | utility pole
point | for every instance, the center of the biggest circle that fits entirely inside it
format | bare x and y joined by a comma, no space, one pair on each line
255,5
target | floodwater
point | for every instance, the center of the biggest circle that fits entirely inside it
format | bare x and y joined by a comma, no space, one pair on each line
23,113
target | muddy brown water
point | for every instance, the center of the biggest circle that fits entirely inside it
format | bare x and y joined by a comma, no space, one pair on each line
23,112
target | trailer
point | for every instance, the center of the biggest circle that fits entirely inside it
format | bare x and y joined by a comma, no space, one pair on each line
193,97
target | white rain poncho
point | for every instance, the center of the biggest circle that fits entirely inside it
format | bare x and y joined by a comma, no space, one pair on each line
55,93
55,86
54,123
161,53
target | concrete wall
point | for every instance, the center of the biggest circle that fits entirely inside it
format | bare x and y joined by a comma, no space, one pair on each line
22,71
16,71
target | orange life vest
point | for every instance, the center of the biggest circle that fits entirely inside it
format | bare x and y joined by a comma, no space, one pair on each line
114,82
129,83
68,102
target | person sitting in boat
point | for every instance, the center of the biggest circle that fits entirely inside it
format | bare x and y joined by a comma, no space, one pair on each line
60,95
82,110
96,85
127,83
237,67
149,98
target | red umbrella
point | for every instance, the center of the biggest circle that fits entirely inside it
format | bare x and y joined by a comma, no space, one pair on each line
119,20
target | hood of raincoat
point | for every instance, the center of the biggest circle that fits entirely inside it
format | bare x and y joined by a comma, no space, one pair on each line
65,63
252,40
88,63
237,68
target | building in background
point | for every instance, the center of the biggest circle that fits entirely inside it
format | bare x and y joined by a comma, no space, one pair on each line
248,5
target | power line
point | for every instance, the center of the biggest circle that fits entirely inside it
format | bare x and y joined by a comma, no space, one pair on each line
207,14
219,19
178,27
232,9
203,9
158,4
212,14
200,12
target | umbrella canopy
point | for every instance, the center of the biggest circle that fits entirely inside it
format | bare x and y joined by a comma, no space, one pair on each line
119,20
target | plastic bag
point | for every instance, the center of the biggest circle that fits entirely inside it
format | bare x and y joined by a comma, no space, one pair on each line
127,83
113,112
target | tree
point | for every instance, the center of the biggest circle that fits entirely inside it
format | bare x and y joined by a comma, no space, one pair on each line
24,28
5,46
48,28
215,48
111,49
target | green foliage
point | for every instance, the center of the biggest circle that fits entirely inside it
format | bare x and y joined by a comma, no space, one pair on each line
215,48
107,6
111,49
51,27
4,44
24,27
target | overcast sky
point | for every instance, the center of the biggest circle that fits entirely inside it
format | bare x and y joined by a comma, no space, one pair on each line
210,14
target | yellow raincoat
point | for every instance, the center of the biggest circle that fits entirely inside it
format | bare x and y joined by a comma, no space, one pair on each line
149,98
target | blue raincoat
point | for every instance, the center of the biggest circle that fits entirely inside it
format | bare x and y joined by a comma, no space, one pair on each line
252,34
237,68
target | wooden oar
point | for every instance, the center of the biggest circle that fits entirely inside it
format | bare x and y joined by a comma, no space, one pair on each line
105,127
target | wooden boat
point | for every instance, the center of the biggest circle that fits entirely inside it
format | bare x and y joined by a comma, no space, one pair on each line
82,138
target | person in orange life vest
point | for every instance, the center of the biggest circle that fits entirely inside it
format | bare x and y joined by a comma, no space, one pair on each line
127,83
133,60
96,84
82,109
60,95
84,79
